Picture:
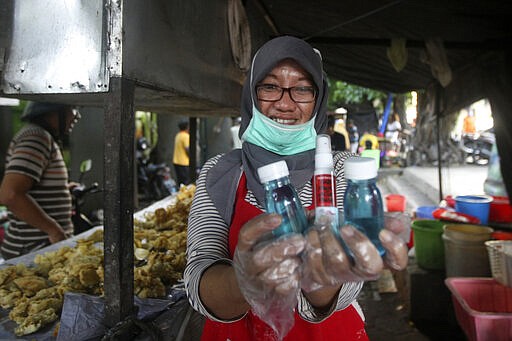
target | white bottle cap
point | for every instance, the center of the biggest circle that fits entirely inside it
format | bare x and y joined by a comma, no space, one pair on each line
323,153
360,168
273,171
323,144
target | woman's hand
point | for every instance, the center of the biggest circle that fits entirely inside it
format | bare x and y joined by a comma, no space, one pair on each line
269,271
327,262
394,237
268,267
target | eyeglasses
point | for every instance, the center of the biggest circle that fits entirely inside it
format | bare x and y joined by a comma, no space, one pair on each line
274,93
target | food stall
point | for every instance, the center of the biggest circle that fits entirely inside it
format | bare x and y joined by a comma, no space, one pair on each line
68,277
189,58
167,57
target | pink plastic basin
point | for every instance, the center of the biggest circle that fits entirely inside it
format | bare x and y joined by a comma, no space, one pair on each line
483,308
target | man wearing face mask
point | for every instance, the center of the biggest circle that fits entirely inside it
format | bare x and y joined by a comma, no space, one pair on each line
230,277
35,185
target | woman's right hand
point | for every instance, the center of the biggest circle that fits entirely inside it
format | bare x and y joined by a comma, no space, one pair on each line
269,268
269,272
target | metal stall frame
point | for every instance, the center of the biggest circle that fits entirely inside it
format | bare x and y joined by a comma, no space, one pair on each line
177,72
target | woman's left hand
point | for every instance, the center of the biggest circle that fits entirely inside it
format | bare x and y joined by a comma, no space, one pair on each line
396,232
327,263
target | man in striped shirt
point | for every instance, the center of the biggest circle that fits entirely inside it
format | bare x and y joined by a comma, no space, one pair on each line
35,184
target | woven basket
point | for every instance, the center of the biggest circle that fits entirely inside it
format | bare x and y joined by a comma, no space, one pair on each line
500,258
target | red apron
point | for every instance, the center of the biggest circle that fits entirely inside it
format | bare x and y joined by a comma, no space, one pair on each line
342,325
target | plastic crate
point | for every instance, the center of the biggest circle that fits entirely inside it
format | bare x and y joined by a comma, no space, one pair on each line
500,258
483,308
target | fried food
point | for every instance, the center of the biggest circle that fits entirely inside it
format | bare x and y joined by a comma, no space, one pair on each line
9,299
171,217
33,323
146,286
7,274
95,237
89,277
30,285
35,294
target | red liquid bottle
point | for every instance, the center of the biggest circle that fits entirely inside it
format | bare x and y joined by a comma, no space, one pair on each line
326,210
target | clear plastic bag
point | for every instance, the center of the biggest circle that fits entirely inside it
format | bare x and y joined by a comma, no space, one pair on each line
269,277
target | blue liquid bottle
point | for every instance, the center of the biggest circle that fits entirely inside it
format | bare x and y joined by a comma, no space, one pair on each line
363,202
281,198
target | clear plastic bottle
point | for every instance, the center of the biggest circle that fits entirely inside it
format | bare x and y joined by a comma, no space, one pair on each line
363,206
281,198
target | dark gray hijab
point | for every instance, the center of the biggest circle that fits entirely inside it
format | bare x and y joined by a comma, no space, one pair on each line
222,179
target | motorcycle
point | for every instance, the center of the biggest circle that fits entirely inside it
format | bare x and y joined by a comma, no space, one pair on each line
79,194
477,147
154,181
399,153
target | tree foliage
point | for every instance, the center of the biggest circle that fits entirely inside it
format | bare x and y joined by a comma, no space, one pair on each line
342,93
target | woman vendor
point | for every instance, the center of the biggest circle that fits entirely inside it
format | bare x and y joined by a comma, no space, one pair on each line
229,277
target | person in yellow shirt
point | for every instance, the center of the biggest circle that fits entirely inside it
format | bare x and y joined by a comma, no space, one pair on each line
370,138
181,159
339,127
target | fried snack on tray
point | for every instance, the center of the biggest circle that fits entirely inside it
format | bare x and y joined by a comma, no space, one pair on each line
9,298
30,285
171,217
160,241
35,294
34,322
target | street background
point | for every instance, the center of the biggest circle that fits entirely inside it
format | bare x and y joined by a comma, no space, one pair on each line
386,302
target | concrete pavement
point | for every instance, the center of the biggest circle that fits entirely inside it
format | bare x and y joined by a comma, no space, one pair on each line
420,185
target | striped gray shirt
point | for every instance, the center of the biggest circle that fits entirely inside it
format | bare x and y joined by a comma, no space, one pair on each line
208,233
33,152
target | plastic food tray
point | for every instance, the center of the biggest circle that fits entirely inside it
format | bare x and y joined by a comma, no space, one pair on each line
500,258
483,308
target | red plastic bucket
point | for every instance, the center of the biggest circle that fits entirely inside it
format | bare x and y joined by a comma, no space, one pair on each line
395,203
500,210
501,235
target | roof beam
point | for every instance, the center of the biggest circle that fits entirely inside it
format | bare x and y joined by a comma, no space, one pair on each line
456,45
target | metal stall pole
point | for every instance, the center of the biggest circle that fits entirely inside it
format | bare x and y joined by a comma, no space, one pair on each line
192,123
118,200
437,112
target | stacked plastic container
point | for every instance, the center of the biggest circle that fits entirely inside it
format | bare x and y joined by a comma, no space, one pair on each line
465,251
483,308
483,305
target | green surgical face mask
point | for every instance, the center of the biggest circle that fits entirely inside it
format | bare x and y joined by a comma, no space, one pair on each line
280,138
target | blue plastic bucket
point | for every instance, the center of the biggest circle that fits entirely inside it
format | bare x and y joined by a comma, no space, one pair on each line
425,212
475,205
